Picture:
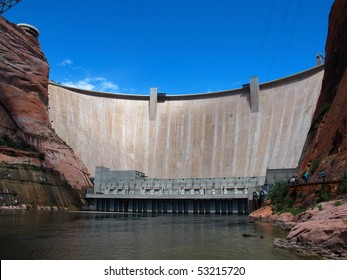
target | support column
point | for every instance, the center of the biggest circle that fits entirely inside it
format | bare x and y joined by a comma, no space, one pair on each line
153,101
254,87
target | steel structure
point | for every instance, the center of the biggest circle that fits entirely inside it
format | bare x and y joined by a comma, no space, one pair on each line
7,4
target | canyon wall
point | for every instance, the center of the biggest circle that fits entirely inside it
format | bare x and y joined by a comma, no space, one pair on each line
30,186
202,135
326,146
26,134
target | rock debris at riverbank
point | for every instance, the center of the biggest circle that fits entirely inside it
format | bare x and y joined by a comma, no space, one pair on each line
44,208
320,231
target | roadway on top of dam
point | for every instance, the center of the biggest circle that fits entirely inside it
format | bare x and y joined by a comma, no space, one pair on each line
225,134
164,96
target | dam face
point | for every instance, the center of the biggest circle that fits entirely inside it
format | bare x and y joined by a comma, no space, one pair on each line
226,134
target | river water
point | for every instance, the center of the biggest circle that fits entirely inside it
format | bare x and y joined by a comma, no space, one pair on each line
113,236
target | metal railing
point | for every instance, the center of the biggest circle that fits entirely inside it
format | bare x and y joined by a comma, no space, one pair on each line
7,4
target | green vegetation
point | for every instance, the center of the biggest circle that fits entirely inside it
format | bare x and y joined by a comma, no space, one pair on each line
281,202
314,166
324,195
324,110
8,142
296,211
342,188
344,175
277,196
333,161
337,203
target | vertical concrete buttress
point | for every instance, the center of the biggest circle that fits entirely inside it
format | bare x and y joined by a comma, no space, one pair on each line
153,100
254,88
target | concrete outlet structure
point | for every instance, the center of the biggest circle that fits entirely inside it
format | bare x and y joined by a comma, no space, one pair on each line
121,190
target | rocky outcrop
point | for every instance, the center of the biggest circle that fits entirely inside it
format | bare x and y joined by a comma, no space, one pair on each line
320,231
26,134
324,233
26,186
327,140
283,220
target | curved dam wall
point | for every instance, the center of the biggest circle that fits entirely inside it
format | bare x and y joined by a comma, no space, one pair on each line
233,133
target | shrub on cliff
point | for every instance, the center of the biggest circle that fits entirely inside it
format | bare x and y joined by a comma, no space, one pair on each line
278,196
5,140
342,188
324,195
344,175
281,202
314,166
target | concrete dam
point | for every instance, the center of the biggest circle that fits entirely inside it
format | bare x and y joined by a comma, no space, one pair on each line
234,133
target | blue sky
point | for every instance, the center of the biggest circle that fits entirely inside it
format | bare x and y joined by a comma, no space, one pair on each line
179,46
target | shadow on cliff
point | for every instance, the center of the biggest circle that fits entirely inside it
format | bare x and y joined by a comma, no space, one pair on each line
326,144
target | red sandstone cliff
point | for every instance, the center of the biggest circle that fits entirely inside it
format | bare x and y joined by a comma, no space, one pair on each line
323,229
26,134
327,140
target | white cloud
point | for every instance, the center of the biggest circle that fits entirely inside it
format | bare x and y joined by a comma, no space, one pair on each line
97,84
82,84
66,62
107,85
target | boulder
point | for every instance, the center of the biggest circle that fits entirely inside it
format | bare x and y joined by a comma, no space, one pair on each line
327,233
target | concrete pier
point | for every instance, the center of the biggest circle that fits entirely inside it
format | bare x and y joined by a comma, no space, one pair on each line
254,88
153,100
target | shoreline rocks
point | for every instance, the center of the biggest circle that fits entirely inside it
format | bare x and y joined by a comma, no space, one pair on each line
321,231
332,253
28,207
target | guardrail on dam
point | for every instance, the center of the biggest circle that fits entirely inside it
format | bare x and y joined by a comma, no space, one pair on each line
236,133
